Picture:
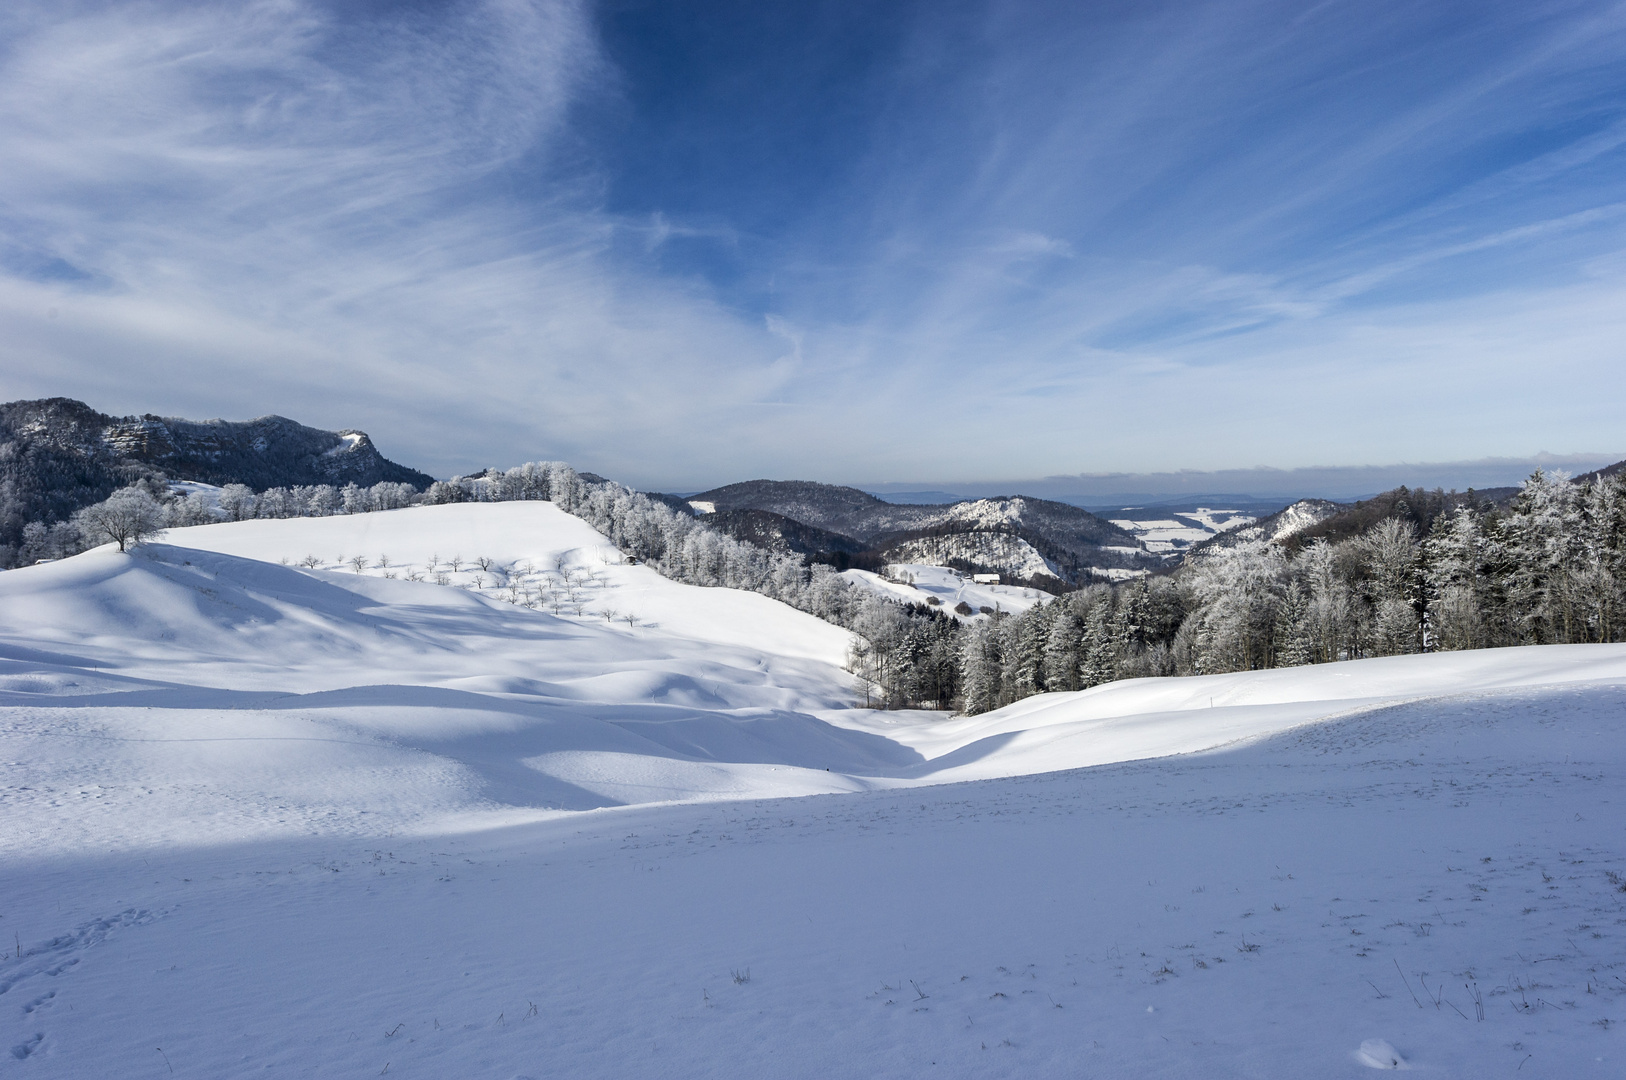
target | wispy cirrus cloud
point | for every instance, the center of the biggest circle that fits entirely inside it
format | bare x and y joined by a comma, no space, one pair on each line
265,207
682,244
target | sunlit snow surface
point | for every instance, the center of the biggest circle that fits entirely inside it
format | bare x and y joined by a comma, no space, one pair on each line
264,819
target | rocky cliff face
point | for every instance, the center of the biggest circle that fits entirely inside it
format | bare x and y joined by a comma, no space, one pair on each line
271,451
57,454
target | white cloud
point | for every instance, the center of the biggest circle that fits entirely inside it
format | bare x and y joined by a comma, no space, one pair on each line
268,209
1096,265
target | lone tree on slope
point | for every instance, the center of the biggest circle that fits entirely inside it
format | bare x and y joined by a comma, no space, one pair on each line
128,517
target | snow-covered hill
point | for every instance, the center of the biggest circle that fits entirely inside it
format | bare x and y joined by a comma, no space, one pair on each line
456,699
1281,525
322,819
1017,536
1013,556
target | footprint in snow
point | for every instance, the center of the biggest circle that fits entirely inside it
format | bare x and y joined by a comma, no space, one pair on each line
1378,1054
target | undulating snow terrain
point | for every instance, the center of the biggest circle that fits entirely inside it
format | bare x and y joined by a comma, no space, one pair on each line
268,819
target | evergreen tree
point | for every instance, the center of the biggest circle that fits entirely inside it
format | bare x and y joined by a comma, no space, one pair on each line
1098,660
979,668
1061,654
1295,646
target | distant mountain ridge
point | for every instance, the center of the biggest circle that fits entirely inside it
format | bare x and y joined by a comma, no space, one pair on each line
1320,519
776,532
1020,536
1278,527
58,454
844,510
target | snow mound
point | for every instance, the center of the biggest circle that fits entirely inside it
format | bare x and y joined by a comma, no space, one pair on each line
1377,1054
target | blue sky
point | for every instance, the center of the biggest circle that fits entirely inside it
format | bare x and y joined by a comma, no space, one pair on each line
687,243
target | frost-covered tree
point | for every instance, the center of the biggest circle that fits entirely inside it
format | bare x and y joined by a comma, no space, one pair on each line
277,502
1061,652
1454,559
323,501
386,495
63,539
1537,544
1098,653
36,538
128,517
1599,559
192,509
353,497
1236,591
980,668
1027,641
238,502
1390,548
1295,641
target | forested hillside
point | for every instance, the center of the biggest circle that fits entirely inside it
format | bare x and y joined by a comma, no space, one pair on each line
58,455
1025,539
1546,567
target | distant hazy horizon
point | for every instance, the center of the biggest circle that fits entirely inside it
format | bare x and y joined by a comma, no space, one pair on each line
1336,482
966,238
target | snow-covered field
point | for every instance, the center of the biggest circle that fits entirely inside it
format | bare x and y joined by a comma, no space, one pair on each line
914,583
271,819
1165,532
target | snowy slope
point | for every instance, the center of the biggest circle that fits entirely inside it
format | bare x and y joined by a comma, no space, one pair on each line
529,541
262,817
913,583
1142,718
1283,524
1013,556
1168,533
1265,910
454,699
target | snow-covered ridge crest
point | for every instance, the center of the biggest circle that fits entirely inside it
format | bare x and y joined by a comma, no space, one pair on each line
1285,523
988,513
